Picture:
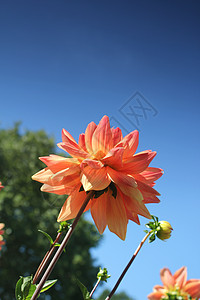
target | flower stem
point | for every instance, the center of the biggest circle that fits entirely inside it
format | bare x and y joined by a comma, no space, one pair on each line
128,266
94,288
46,258
62,246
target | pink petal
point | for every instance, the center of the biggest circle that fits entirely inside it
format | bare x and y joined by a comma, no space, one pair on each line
102,137
88,136
95,179
116,216
116,135
67,138
180,277
167,278
98,212
114,158
72,205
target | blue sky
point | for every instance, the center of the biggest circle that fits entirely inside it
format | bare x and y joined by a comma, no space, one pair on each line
66,63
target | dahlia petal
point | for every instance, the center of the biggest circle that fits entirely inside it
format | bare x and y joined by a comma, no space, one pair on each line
81,142
88,136
116,135
95,164
116,216
72,205
133,217
66,172
159,288
94,179
139,162
98,212
121,179
59,189
56,163
43,175
114,158
130,143
180,277
68,138
136,205
102,137
192,287
155,296
146,188
73,150
149,198
150,174
167,278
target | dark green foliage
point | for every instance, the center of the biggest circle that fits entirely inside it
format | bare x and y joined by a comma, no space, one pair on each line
117,296
24,209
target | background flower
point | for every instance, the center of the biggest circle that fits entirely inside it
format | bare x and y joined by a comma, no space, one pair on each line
1,237
176,285
106,162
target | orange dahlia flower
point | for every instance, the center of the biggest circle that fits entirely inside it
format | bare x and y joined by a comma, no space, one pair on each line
105,162
1,186
176,286
1,237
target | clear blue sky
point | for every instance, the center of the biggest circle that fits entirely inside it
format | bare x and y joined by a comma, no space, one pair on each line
66,63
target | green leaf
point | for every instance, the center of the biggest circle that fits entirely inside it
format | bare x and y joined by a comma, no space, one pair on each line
48,284
152,238
18,291
30,292
47,235
25,287
85,293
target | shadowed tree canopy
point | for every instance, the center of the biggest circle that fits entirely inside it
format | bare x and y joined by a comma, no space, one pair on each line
24,209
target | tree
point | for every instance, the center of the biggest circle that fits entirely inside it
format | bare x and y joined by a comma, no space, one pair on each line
24,209
117,296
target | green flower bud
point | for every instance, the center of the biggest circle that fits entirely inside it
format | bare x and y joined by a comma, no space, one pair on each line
103,274
164,230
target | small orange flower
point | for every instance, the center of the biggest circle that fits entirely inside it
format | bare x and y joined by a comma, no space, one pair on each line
105,162
1,186
176,285
1,237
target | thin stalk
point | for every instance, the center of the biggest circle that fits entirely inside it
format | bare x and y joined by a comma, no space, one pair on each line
94,288
62,247
46,258
128,266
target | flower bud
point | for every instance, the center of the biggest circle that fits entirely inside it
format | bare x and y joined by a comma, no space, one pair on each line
164,230
103,274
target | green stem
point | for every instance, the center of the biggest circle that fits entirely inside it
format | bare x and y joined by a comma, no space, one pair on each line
128,266
62,247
